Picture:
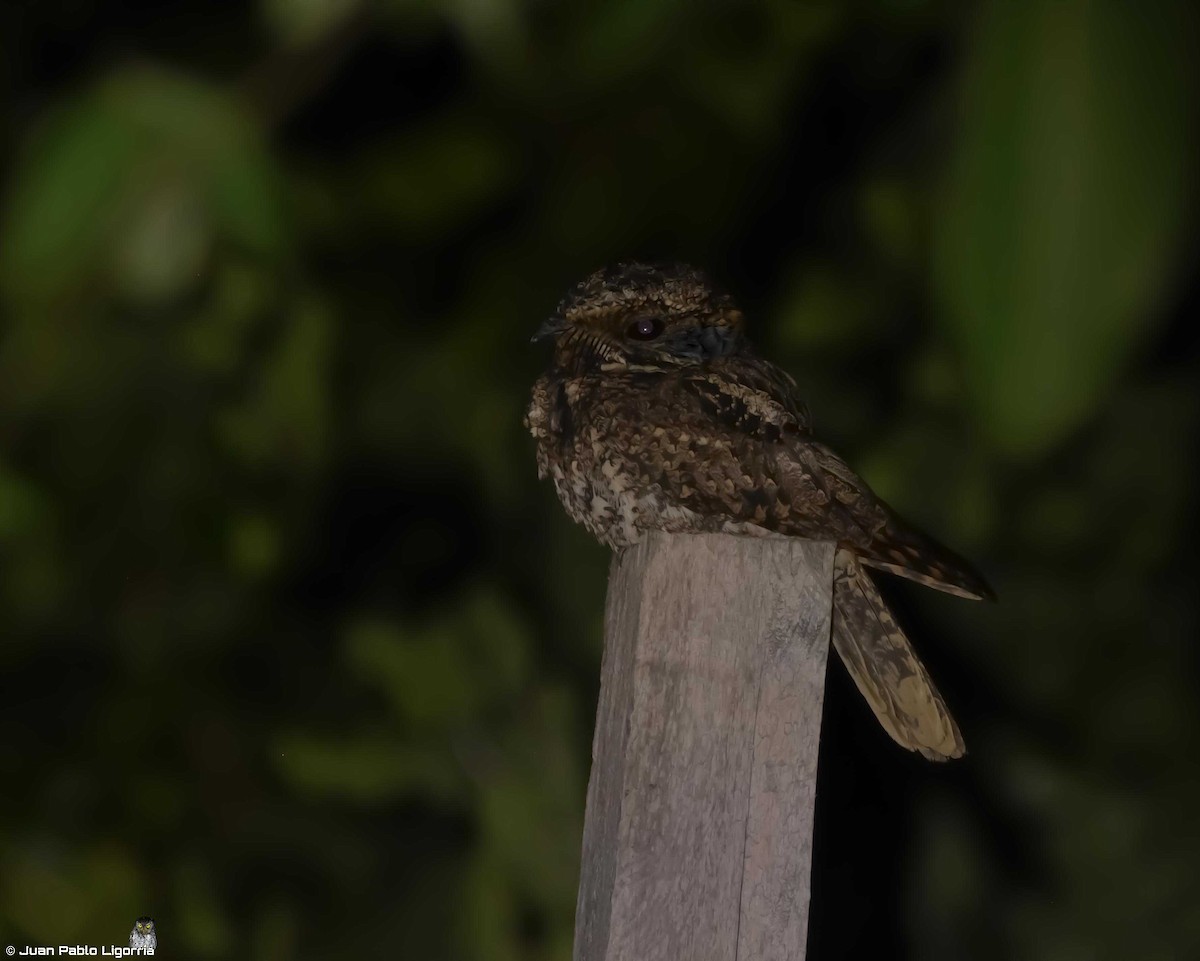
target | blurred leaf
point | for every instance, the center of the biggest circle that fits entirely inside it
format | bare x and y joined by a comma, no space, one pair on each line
65,195
530,800
89,897
751,59
821,309
215,339
253,545
449,670
24,509
1066,199
303,22
427,181
427,678
200,920
40,896
132,181
286,417
938,480
490,914
624,35
183,122
495,30
29,532
891,216
165,242
365,768
277,933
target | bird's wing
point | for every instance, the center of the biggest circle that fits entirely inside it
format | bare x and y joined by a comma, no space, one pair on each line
730,443
879,536
731,440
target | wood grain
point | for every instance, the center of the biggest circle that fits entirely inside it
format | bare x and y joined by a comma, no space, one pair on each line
698,836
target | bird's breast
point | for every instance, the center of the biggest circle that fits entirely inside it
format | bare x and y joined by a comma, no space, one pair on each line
579,448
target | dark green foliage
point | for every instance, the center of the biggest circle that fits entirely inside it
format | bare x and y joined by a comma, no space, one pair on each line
299,659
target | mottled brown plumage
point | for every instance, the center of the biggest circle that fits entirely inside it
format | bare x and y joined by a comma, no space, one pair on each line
656,414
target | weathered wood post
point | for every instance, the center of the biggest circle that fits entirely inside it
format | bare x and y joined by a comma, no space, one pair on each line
697,843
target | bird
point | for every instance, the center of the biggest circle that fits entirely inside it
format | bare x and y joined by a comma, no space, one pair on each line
657,414
142,936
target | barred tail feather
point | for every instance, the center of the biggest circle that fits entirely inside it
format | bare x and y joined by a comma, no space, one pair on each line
886,669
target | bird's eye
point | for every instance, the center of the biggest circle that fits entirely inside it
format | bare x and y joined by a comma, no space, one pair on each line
646,328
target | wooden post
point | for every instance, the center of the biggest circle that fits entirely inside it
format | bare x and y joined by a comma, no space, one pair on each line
697,843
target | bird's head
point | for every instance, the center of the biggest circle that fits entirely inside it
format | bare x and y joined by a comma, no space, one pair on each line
633,313
143,926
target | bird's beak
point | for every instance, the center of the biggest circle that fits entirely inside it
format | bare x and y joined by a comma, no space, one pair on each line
551,328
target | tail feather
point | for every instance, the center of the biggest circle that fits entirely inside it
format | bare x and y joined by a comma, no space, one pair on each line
886,669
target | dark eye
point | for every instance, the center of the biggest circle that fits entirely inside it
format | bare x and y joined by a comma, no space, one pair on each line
646,328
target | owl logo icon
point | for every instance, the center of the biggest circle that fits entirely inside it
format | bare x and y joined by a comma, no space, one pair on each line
143,936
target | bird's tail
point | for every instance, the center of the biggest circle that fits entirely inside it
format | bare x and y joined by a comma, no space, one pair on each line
885,667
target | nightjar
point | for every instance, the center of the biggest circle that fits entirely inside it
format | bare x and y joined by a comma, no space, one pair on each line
657,414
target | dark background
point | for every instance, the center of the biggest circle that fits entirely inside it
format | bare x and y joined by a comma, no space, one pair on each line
296,654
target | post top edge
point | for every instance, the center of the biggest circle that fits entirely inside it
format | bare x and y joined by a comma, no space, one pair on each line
819,553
